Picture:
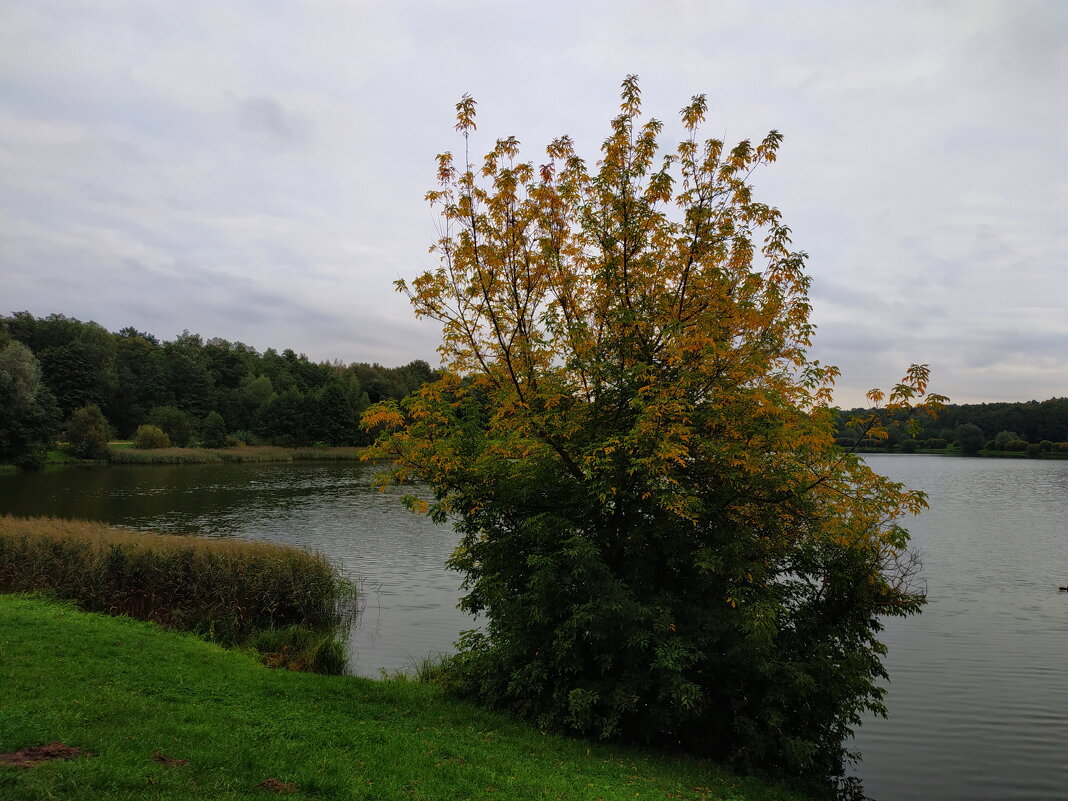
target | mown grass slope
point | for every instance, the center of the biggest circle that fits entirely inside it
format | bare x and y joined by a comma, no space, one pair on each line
128,690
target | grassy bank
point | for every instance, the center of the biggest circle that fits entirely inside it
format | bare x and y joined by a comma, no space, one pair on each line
230,591
264,453
123,452
127,690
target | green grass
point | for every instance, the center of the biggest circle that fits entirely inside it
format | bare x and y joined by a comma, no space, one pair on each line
125,689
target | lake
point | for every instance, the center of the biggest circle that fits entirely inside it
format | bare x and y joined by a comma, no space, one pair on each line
979,694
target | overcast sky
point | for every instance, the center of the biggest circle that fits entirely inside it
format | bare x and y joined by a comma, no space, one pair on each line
255,170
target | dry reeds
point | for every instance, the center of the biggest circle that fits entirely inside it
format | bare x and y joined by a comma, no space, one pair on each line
264,453
226,590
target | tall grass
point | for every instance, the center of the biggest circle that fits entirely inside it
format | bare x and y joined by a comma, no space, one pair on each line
241,454
226,590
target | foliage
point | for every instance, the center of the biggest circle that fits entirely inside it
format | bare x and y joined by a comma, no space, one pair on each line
970,438
664,539
213,431
88,433
130,373
1034,420
149,437
174,423
224,589
29,418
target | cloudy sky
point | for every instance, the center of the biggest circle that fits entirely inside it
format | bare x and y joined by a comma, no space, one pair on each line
255,170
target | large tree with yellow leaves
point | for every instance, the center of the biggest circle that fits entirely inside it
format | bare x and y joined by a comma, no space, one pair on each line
664,540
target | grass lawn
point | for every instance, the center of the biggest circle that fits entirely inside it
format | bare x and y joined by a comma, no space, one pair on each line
134,695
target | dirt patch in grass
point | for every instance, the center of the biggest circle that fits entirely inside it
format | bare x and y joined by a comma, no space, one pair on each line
278,786
170,762
36,754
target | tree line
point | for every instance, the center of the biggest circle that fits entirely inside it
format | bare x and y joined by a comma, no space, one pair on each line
1031,426
209,391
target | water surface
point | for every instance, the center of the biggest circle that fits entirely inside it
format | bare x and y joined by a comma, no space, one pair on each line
978,698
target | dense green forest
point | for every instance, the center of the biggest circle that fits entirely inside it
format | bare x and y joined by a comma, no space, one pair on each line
1004,427
191,388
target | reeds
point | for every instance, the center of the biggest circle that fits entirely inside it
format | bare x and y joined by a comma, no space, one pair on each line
241,454
226,590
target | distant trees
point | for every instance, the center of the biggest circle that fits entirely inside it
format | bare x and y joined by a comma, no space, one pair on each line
970,439
135,379
1017,425
174,423
88,433
29,417
213,431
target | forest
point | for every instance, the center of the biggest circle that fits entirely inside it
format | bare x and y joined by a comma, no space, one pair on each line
1004,427
188,386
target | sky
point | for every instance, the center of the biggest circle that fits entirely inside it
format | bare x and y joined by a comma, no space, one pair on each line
255,170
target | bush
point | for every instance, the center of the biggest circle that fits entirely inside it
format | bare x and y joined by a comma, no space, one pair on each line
936,444
151,437
241,437
174,422
1017,445
1045,446
907,446
88,433
1033,450
225,590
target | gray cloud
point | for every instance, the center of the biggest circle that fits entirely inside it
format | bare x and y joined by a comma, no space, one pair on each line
265,117
258,174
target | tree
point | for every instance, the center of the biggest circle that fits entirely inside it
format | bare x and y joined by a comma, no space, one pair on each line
29,417
665,542
970,438
213,431
88,433
174,423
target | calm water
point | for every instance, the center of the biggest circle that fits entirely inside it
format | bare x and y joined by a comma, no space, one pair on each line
979,694
978,698
408,599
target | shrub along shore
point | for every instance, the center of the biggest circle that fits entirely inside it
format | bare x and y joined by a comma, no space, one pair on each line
291,604
167,715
